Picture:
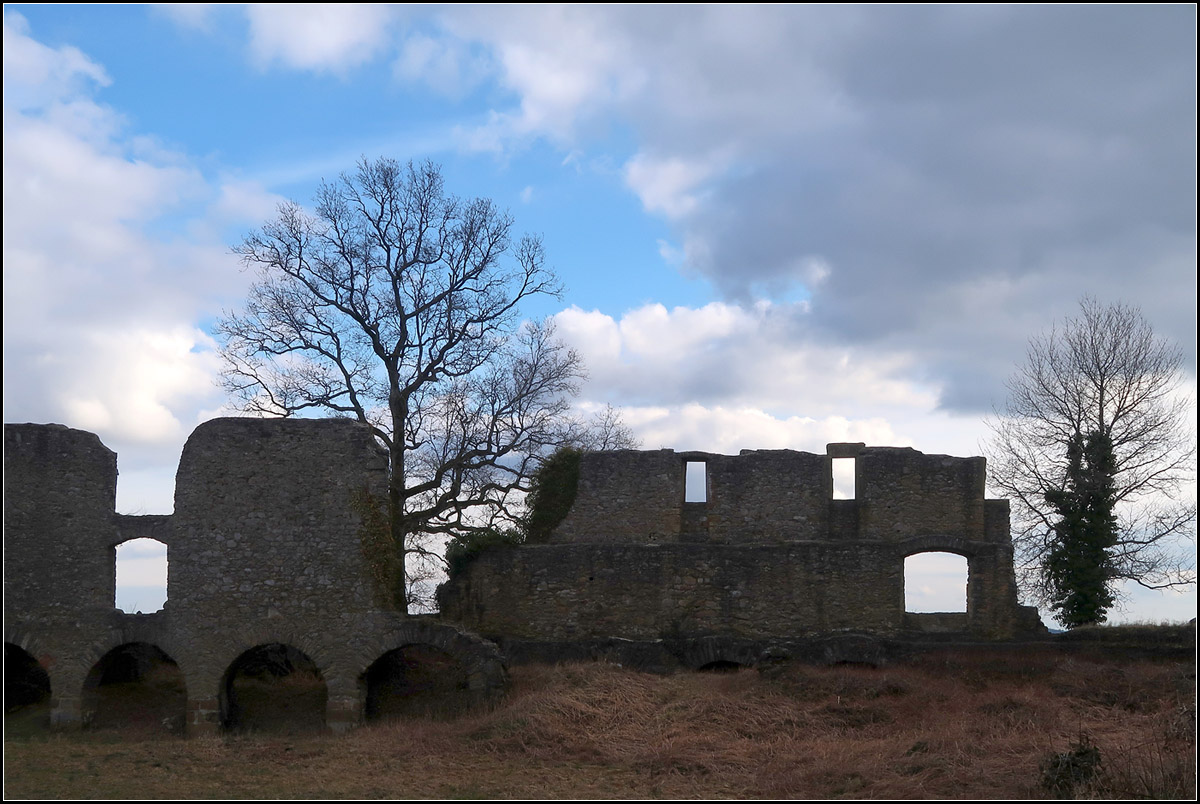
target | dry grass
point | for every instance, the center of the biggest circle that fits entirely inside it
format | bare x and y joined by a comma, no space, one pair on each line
952,726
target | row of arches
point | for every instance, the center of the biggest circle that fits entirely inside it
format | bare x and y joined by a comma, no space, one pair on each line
273,688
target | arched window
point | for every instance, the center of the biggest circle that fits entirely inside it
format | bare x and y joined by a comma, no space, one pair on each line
141,576
935,582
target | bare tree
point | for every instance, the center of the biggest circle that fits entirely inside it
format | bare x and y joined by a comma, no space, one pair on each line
1104,372
397,304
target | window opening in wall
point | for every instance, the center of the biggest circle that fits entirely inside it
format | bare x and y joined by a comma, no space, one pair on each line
935,582
696,482
843,478
141,576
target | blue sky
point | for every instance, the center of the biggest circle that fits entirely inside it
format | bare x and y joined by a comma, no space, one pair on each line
777,226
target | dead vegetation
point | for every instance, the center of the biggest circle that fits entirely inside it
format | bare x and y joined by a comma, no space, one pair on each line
950,725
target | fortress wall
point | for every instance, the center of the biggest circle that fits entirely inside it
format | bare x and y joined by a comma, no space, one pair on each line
637,495
266,532
60,488
265,546
902,494
767,495
564,592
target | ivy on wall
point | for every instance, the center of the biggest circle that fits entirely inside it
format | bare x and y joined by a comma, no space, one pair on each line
383,560
552,494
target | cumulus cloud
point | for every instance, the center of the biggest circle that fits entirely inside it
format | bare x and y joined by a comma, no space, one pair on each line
100,315
947,180
725,377
318,36
36,75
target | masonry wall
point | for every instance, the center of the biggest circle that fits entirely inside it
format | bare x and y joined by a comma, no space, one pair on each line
588,591
769,554
265,546
59,549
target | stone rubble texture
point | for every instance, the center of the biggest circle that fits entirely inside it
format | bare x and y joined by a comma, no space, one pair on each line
265,547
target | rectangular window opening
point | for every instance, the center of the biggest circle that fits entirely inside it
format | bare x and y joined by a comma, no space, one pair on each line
695,487
843,478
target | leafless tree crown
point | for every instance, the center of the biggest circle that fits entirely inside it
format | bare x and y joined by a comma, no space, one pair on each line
1104,371
397,304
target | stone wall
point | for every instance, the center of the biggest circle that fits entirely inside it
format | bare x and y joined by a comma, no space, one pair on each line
264,547
770,554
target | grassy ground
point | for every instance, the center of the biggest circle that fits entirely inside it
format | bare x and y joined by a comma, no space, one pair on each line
954,725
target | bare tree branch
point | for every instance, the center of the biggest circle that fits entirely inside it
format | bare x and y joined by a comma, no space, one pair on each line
397,304
1102,372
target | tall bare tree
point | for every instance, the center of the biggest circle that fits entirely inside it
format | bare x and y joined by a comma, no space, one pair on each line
397,304
1102,374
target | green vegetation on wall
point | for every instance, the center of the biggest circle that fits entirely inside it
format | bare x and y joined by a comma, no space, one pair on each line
378,549
552,494
463,549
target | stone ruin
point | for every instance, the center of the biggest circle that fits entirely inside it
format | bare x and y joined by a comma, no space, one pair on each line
267,564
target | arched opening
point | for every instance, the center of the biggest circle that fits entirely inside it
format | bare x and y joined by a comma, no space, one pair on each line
141,576
135,687
274,688
416,680
935,582
26,693
720,666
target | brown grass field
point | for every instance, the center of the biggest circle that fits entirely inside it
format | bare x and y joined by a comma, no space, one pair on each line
963,725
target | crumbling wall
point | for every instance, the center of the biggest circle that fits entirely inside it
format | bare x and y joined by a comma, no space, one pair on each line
904,494
265,547
625,496
59,550
769,554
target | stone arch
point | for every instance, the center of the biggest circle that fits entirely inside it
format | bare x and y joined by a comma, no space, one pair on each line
135,685
426,668
27,691
273,686
978,568
716,654
932,582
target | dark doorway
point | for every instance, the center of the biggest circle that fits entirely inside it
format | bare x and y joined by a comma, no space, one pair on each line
135,687
416,680
274,688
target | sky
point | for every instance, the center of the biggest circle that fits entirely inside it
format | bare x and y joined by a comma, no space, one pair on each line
778,226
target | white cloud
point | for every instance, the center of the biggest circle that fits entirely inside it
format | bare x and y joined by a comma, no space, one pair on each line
198,16
111,259
724,378
671,186
835,149
318,36
763,355
36,75
447,65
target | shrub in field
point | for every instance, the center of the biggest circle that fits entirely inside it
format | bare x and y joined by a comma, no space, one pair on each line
1063,774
